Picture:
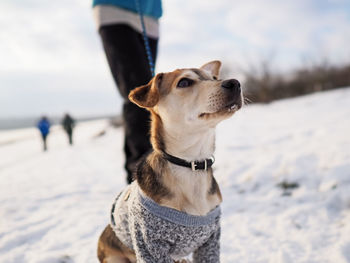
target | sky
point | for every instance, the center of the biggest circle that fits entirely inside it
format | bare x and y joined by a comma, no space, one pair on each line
52,61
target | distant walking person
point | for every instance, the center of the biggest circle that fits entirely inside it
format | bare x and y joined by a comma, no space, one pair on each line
68,124
44,127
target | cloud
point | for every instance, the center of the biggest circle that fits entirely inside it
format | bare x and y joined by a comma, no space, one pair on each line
35,35
250,30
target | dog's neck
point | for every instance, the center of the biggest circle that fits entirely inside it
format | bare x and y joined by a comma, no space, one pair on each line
193,192
189,145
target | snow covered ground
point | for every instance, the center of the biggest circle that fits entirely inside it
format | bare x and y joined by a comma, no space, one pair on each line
283,168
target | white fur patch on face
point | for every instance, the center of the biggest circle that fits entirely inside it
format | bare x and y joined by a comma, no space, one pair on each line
190,74
191,117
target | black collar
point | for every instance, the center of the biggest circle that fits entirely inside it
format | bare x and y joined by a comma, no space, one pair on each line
194,165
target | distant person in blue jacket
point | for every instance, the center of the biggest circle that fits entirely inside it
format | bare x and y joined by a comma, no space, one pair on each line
44,127
120,29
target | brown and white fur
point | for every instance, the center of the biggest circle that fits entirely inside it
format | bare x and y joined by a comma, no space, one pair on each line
183,124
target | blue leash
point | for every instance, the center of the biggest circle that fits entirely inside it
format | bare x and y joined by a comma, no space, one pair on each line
145,38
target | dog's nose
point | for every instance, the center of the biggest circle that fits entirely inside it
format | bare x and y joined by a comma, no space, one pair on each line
232,85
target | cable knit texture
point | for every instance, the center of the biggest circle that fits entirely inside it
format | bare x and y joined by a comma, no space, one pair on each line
161,234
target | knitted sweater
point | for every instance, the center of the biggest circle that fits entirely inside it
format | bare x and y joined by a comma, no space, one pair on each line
161,234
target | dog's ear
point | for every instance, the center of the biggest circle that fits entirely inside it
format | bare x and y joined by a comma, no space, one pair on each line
213,67
147,96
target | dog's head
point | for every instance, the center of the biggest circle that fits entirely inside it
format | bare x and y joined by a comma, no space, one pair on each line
190,97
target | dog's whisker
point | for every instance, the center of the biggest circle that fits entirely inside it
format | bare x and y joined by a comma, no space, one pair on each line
247,101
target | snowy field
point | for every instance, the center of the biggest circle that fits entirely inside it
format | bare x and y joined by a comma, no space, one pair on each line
283,168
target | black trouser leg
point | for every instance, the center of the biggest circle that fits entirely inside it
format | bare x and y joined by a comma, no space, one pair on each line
44,142
70,137
128,63
136,142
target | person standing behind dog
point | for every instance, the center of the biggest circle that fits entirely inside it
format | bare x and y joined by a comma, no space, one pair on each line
44,128
68,124
119,26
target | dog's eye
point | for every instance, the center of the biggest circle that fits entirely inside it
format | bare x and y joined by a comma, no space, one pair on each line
215,78
184,83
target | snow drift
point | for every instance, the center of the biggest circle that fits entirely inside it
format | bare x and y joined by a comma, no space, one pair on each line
283,168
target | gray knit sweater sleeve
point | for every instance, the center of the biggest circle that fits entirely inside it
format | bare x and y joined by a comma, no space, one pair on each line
149,248
160,234
208,252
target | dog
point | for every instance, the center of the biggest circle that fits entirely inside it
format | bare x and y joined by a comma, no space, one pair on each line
172,209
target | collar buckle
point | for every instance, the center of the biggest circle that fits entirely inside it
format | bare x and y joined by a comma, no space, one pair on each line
194,165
